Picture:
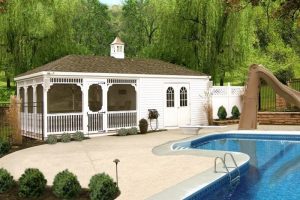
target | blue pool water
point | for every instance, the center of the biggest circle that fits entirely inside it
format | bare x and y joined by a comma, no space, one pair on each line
274,171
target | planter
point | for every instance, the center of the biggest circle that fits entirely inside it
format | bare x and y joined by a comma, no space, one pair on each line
225,122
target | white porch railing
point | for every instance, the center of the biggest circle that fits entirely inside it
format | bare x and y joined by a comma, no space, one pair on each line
95,122
32,125
64,122
121,119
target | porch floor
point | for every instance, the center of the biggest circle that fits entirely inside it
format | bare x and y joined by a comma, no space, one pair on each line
141,173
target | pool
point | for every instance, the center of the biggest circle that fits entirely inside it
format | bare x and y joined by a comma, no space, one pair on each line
274,166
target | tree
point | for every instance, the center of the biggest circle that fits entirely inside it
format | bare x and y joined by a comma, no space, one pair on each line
140,23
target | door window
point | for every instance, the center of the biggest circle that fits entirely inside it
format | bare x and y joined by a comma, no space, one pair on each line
170,97
183,97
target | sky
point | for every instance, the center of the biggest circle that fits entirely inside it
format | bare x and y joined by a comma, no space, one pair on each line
111,2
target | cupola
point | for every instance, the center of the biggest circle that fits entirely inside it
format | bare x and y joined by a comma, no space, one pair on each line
117,49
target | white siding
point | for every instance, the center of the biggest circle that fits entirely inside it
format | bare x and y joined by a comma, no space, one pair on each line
198,99
152,96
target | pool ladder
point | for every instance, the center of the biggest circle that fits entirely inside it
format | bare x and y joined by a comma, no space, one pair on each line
235,180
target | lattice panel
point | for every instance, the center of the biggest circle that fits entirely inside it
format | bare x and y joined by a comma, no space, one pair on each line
66,80
121,81
219,91
237,91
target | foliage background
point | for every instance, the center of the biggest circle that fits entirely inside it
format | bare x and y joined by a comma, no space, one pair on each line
218,37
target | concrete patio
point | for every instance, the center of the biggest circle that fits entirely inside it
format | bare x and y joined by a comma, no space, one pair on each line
141,172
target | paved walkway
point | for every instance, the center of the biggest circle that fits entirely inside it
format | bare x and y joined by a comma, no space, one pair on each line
141,173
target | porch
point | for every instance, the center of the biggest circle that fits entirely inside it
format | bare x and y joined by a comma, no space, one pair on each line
58,105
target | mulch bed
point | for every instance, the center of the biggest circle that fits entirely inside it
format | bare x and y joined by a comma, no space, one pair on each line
26,143
225,122
47,195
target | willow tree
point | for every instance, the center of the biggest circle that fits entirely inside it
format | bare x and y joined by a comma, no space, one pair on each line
209,36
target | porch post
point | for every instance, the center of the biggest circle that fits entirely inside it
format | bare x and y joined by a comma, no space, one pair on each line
85,100
25,106
46,87
136,88
34,107
105,109
18,92
25,100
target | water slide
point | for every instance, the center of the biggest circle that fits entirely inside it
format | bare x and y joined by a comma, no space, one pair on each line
248,120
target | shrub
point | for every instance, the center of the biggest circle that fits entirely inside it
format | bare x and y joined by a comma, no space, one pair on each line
132,131
122,132
6,180
52,139
32,183
235,112
143,125
66,185
65,137
285,75
78,136
222,114
102,187
4,147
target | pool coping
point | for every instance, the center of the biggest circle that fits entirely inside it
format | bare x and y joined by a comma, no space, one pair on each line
203,180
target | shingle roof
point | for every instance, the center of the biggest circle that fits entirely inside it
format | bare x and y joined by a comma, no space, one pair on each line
117,41
100,64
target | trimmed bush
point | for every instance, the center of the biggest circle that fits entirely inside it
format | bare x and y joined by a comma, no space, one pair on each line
4,147
222,114
143,125
66,185
32,183
102,187
235,112
52,139
122,132
65,137
78,136
6,180
132,131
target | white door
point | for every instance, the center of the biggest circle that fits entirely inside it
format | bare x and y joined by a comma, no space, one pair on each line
184,114
177,105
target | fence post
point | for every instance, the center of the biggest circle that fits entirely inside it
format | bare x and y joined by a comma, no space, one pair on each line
228,99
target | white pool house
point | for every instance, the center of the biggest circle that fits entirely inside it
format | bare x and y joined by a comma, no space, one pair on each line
95,94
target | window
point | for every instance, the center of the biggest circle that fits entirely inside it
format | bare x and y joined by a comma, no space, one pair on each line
183,97
170,97
119,48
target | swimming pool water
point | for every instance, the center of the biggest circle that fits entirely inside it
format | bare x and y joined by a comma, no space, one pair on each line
274,171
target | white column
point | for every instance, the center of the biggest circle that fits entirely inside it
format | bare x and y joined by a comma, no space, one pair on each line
34,109
18,92
46,87
25,100
105,89
85,106
136,103
25,106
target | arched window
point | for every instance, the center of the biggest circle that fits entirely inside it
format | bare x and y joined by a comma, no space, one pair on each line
170,97
183,97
